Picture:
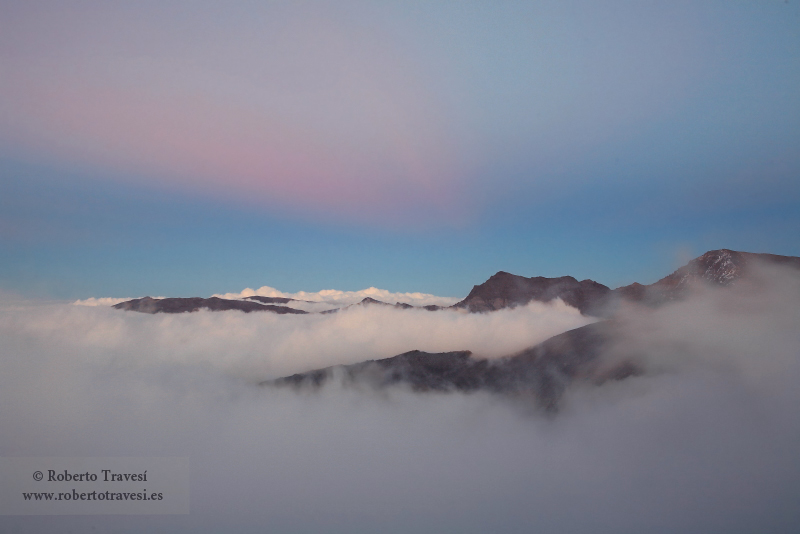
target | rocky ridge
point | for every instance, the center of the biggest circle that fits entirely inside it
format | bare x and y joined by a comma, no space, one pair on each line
193,304
505,290
540,373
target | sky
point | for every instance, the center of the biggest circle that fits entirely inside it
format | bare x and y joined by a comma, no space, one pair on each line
193,148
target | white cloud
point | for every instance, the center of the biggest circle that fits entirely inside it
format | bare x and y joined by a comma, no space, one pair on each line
264,345
334,298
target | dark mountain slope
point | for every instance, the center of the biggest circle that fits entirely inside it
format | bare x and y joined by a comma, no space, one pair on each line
716,268
504,290
192,304
541,372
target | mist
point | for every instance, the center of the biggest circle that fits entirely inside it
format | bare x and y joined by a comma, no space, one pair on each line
704,440
258,346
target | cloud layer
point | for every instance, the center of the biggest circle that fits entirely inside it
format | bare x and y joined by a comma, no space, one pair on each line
258,346
704,442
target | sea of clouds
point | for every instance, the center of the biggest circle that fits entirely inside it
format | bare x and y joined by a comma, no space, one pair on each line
704,441
261,345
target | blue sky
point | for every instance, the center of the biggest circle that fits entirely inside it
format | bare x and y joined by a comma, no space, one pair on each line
193,148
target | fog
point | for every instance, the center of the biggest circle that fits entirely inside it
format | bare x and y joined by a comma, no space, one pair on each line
705,440
262,345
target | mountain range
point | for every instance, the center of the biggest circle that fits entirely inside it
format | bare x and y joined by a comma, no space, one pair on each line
504,290
193,304
714,268
540,373
543,372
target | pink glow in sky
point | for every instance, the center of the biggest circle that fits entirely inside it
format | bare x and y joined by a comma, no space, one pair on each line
309,114
371,112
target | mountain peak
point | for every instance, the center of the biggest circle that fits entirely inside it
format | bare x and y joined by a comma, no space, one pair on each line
722,267
504,290
369,300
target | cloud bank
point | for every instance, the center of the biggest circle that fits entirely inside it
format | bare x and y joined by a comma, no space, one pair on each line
258,346
705,441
